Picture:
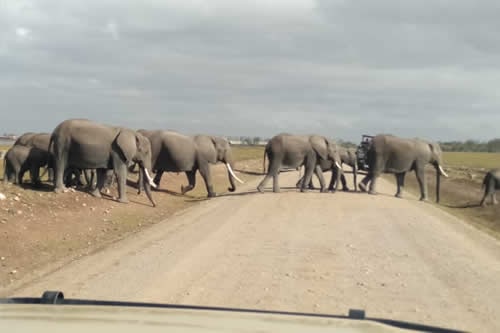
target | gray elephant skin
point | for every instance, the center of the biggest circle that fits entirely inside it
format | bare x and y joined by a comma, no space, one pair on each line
491,183
20,159
84,144
73,177
391,154
293,151
40,141
347,156
176,152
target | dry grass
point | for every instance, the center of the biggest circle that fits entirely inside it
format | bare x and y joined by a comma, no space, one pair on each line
472,160
244,153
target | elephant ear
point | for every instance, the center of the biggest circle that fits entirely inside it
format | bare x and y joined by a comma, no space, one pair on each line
320,146
219,147
126,144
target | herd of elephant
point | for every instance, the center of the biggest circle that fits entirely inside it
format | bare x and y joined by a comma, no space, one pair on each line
103,152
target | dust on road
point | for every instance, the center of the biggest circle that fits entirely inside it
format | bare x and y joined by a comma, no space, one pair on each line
314,252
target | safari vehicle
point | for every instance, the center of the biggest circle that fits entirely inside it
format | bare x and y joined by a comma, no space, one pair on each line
362,150
53,313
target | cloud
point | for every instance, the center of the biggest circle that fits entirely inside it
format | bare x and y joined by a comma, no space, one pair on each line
112,29
22,32
341,68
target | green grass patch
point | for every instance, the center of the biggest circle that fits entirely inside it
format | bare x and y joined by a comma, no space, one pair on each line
472,160
244,153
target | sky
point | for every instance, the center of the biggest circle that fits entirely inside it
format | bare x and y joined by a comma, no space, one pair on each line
340,68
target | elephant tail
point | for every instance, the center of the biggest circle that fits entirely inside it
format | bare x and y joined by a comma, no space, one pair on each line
5,168
264,163
486,180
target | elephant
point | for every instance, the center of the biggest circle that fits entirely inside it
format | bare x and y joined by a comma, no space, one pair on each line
175,152
84,144
491,183
20,159
40,141
347,156
73,177
296,150
392,154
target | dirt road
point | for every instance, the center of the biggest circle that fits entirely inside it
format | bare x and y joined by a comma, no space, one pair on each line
400,259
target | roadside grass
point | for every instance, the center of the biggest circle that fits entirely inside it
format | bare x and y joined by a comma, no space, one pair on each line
472,160
244,153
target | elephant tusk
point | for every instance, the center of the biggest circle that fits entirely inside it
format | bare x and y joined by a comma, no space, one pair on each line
150,180
338,165
442,172
232,173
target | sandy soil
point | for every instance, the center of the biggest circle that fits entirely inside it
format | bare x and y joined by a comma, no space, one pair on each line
395,258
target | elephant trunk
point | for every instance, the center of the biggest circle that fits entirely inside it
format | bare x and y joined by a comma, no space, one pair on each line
228,161
146,182
439,172
140,181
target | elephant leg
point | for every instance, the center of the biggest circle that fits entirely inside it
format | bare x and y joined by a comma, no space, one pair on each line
373,183
299,182
205,174
310,166
420,173
60,167
331,186
50,174
483,200
494,198
276,183
319,173
100,174
273,170
109,181
345,188
35,176
120,170
363,184
20,176
90,177
157,178
400,181
191,176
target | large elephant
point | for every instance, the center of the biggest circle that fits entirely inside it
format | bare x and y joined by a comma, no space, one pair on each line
286,150
391,154
347,156
40,141
491,183
84,144
20,159
175,152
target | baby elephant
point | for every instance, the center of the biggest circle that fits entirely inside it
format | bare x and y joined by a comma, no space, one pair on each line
491,183
20,159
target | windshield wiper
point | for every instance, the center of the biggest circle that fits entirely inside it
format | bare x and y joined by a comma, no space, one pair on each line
57,297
